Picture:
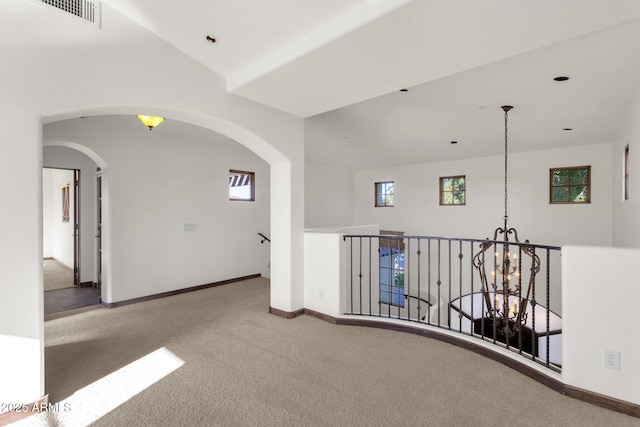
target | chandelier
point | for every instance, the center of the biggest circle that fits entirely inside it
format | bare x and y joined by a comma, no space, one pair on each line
505,297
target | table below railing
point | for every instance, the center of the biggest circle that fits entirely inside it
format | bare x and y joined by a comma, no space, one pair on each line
540,335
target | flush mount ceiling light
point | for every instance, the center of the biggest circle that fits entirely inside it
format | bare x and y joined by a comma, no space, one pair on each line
150,121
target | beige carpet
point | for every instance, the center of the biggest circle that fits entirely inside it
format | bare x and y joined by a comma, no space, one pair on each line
245,367
56,275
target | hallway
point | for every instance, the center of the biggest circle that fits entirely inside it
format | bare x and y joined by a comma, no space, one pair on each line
70,299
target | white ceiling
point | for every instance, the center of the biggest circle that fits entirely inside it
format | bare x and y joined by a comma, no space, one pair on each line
339,64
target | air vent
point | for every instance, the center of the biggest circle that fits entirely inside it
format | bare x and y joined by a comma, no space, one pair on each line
88,11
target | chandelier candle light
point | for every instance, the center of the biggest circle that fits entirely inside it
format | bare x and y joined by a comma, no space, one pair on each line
508,308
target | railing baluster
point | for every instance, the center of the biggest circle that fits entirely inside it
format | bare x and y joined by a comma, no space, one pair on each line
351,271
485,288
520,296
360,275
429,275
449,289
534,335
495,292
439,282
379,278
548,338
407,277
399,244
370,278
471,275
460,256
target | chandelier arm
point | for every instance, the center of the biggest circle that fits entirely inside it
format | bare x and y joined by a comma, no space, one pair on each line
485,292
478,263
535,268
515,234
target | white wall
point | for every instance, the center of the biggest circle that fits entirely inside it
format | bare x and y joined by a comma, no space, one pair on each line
325,279
625,212
21,293
417,211
63,157
599,295
158,183
57,234
67,81
330,193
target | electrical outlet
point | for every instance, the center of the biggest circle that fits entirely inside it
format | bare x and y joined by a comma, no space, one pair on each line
321,293
611,359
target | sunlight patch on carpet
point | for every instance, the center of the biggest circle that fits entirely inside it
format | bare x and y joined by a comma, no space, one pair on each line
94,401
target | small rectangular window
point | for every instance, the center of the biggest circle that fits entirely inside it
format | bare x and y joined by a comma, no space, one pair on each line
452,190
626,172
242,186
570,185
384,194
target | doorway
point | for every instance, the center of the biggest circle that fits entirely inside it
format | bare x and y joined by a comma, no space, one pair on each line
61,228
61,215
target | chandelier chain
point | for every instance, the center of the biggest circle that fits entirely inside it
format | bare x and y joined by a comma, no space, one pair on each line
506,216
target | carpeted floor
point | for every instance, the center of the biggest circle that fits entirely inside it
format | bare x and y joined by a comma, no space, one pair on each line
56,275
245,367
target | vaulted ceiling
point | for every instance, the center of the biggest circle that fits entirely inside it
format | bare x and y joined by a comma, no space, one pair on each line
341,63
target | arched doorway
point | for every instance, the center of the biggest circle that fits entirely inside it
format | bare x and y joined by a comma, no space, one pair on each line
287,188
86,163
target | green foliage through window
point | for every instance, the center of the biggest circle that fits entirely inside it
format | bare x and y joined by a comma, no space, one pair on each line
570,185
384,194
452,190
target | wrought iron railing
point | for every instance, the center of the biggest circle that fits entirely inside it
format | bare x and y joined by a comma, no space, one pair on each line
433,281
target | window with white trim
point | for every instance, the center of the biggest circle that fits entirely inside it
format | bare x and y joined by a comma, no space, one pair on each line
242,186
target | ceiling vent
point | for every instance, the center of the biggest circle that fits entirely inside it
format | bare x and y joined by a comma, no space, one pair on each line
88,11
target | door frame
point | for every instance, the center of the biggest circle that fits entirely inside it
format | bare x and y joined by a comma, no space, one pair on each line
98,235
76,222
76,227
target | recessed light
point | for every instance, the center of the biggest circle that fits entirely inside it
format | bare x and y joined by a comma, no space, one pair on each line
561,78
404,90
567,128
211,39
454,142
